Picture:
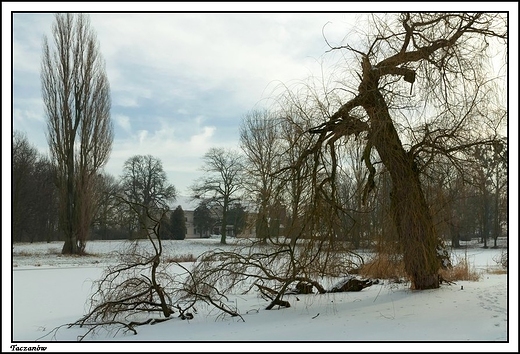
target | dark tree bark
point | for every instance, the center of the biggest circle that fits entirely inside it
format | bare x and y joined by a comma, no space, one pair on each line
410,210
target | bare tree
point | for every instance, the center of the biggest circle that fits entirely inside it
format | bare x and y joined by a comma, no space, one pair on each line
221,183
260,142
278,267
76,94
447,87
23,160
145,185
106,223
34,193
350,180
295,183
489,179
314,248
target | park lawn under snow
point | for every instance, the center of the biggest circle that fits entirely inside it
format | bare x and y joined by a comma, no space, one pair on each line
50,290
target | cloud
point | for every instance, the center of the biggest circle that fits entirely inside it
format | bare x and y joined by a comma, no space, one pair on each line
123,121
126,101
142,137
203,138
180,53
32,122
179,146
27,116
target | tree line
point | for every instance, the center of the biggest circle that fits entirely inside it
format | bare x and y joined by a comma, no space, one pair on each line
119,208
472,205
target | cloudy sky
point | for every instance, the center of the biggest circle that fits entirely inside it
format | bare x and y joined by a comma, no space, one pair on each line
180,82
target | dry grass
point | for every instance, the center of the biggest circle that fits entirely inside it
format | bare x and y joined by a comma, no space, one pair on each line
383,266
53,252
22,254
181,258
388,266
461,270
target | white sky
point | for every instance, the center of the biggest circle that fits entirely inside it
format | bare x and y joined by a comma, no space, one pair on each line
181,82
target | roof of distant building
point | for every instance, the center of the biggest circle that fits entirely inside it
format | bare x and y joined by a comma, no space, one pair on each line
186,203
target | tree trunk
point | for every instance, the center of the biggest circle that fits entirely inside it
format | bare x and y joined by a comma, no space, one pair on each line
454,232
223,226
71,242
70,246
262,226
415,228
410,211
496,219
485,219
455,240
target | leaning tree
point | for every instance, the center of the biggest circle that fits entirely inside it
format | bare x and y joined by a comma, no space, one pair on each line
447,90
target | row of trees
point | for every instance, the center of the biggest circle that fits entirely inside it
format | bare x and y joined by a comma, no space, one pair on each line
470,206
466,201
76,97
122,208
34,193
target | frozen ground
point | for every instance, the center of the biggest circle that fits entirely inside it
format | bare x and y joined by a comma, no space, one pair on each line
49,290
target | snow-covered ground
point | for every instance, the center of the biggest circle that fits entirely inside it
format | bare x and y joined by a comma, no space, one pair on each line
49,290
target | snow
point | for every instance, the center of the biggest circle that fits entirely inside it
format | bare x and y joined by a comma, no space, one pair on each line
50,290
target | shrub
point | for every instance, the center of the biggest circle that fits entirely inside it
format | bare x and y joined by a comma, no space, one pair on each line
502,259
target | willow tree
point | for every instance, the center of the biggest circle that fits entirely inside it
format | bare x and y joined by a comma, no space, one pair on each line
424,88
76,95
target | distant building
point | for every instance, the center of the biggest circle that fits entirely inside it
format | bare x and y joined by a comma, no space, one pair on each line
188,206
